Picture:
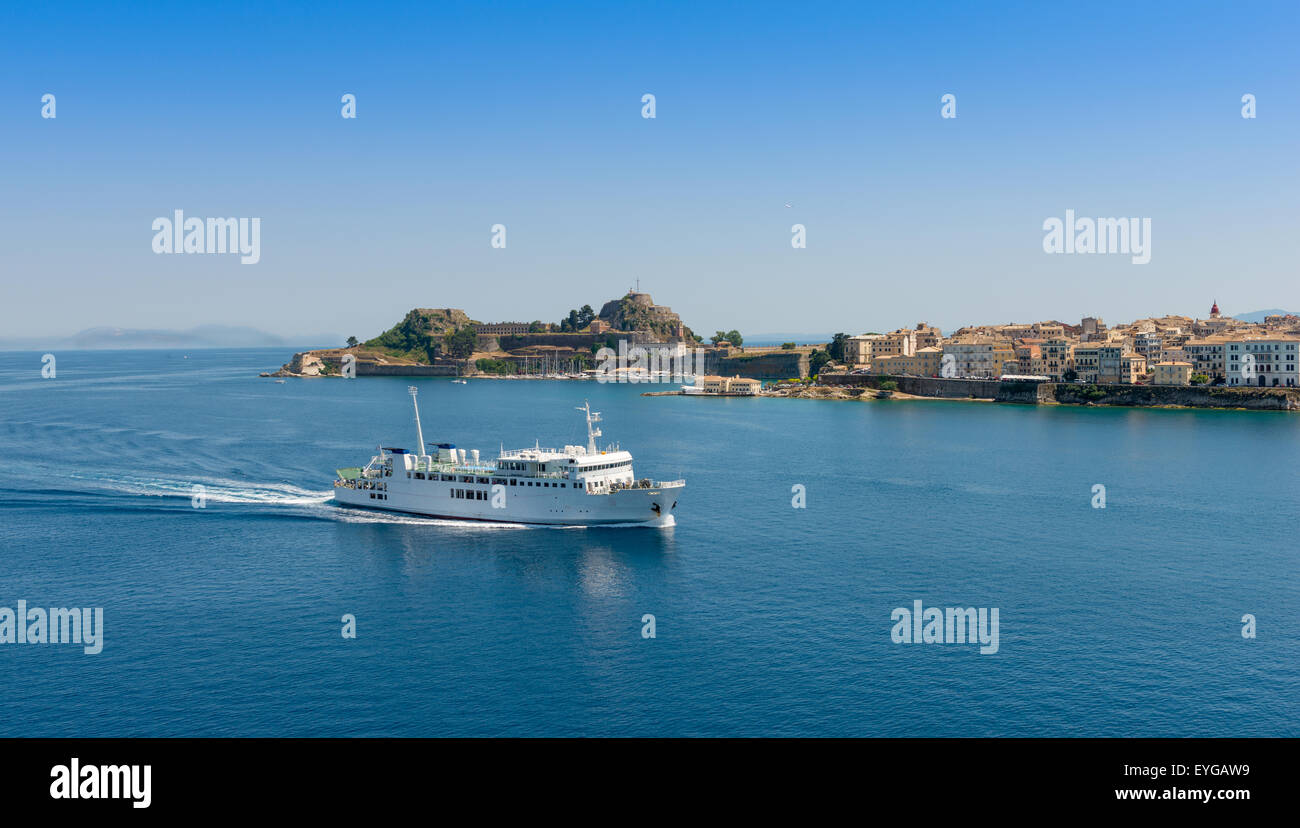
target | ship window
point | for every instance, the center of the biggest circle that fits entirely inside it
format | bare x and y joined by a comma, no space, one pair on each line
513,481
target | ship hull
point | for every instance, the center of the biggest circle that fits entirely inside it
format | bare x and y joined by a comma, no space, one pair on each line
648,507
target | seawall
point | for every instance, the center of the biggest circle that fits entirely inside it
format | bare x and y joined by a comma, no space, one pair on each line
1049,393
766,365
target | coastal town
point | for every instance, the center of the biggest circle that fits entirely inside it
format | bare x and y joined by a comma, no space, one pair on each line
633,339
1166,350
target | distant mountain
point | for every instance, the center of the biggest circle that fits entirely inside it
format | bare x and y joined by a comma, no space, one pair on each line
203,336
1258,316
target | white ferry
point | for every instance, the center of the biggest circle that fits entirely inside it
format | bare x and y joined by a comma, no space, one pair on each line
575,485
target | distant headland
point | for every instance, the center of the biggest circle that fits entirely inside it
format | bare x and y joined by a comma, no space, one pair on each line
448,342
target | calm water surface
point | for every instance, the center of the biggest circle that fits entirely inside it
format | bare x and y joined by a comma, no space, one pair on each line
771,620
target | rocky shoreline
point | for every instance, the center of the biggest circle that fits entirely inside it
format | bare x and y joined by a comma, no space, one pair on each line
1053,394
330,362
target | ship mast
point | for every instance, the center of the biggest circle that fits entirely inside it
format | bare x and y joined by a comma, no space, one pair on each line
419,432
593,417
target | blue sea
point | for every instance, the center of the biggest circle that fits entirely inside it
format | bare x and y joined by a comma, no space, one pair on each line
770,620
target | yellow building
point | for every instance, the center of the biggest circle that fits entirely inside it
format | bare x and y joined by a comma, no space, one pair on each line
1172,373
859,350
901,342
979,357
1132,368
1086,362
889,364
1056,357
927,337
727,385
1207,356
924,363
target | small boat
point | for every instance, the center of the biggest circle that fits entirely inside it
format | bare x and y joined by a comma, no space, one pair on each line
279,382
460,382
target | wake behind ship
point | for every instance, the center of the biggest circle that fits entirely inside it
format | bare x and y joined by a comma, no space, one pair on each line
573,486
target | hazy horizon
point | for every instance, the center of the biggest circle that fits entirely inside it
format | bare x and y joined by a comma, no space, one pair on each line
21,343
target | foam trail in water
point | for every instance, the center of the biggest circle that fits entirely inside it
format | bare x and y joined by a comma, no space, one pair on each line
318,503
215,490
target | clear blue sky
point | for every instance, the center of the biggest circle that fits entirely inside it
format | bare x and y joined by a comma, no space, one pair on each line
472,114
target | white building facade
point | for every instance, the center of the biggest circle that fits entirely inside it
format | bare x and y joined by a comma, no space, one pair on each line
1268,363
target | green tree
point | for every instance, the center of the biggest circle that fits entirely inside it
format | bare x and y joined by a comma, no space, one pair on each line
836,348
536,326
1199,379
816,361
735,338
585,316
718,337
1070,375
352,342
460,343
496,366
787,346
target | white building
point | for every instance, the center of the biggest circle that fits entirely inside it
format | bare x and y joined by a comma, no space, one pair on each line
1263,362
978,358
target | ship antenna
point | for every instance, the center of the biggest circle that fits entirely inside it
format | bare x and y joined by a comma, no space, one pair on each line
592,432
419,432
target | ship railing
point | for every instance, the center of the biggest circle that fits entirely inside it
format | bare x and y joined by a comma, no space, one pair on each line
532,451
647,483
